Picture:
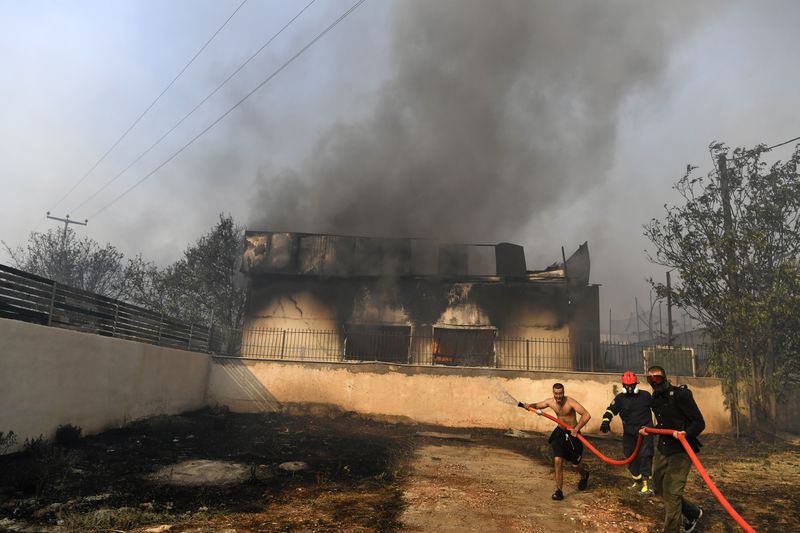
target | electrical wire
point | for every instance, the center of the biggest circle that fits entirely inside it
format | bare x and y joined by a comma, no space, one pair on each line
135,122
767,149
237,104
195,108
785,142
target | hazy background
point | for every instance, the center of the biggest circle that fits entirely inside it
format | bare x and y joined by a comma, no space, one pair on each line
540,123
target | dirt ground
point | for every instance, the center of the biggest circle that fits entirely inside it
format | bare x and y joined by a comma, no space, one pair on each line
222,472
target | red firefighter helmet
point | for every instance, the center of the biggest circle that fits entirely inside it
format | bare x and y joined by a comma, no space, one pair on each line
629,378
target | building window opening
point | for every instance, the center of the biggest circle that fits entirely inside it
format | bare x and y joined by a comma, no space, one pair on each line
388,344
463,346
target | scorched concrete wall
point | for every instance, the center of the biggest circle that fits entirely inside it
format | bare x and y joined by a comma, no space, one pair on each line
50,377
455,397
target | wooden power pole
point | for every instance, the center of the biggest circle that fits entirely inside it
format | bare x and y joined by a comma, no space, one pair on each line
669,310
67,221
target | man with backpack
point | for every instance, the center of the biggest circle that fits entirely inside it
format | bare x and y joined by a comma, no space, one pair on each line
674,408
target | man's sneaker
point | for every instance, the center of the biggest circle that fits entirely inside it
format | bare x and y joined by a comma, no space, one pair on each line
558,495
690,523
584,481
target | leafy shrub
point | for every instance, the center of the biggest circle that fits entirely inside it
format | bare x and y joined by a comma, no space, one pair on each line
34,447
67,435
43,467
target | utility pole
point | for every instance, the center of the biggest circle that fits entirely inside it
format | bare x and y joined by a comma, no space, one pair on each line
669,310
66,222
638,333
685,331
730,267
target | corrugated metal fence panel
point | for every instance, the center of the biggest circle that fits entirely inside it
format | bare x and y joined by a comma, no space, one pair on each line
24,296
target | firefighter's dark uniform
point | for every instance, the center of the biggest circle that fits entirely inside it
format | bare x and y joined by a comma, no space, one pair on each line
676,409
634,410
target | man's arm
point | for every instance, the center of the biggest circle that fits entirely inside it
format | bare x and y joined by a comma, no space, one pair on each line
689,408
584,416
537,405
541,405
611,411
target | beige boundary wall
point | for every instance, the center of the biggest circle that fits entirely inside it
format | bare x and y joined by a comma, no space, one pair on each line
50,377
455,397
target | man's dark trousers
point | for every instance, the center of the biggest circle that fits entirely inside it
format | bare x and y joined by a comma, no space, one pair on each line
643,462
669,478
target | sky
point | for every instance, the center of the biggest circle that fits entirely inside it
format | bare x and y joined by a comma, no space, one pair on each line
541,123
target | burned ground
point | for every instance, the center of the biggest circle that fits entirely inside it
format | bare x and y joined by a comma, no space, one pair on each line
362,476
353,467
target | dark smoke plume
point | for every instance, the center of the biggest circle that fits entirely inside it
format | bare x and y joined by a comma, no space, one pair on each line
496,111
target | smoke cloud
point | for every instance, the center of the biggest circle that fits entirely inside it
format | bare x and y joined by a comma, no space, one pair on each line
494,113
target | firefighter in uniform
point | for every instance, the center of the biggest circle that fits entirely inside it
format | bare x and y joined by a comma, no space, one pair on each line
633,407
675,409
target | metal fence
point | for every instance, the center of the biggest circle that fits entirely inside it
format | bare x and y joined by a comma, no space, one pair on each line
31,298
474,348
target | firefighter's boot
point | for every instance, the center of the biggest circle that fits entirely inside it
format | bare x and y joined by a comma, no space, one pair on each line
647,487
637,484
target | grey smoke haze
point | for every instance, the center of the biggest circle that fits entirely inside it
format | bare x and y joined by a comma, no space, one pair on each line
541,123
493,112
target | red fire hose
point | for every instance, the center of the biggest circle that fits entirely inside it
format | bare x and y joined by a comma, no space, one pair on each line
682,438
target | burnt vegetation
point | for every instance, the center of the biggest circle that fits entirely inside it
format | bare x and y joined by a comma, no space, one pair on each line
105,481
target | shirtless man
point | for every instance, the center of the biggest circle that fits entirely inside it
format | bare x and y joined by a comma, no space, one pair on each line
566,445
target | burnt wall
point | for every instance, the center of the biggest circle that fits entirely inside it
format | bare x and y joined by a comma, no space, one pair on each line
517,310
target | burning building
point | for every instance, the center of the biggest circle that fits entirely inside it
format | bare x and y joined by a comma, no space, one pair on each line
333,297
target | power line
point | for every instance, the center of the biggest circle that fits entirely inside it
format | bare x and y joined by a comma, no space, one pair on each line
767,149
135,122
735,159
264,82
195,108
785,142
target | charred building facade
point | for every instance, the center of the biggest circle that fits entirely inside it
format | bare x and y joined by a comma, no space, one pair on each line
332,297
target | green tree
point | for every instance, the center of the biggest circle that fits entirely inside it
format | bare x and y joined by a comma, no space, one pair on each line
204,286
735,243
80,263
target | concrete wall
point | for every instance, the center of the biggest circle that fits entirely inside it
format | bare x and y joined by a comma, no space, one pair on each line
455,397
50,377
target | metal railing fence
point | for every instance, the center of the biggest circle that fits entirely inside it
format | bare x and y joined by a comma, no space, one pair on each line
503,352
31,298
24,296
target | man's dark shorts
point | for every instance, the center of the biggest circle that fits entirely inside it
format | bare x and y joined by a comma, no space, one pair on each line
566,446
